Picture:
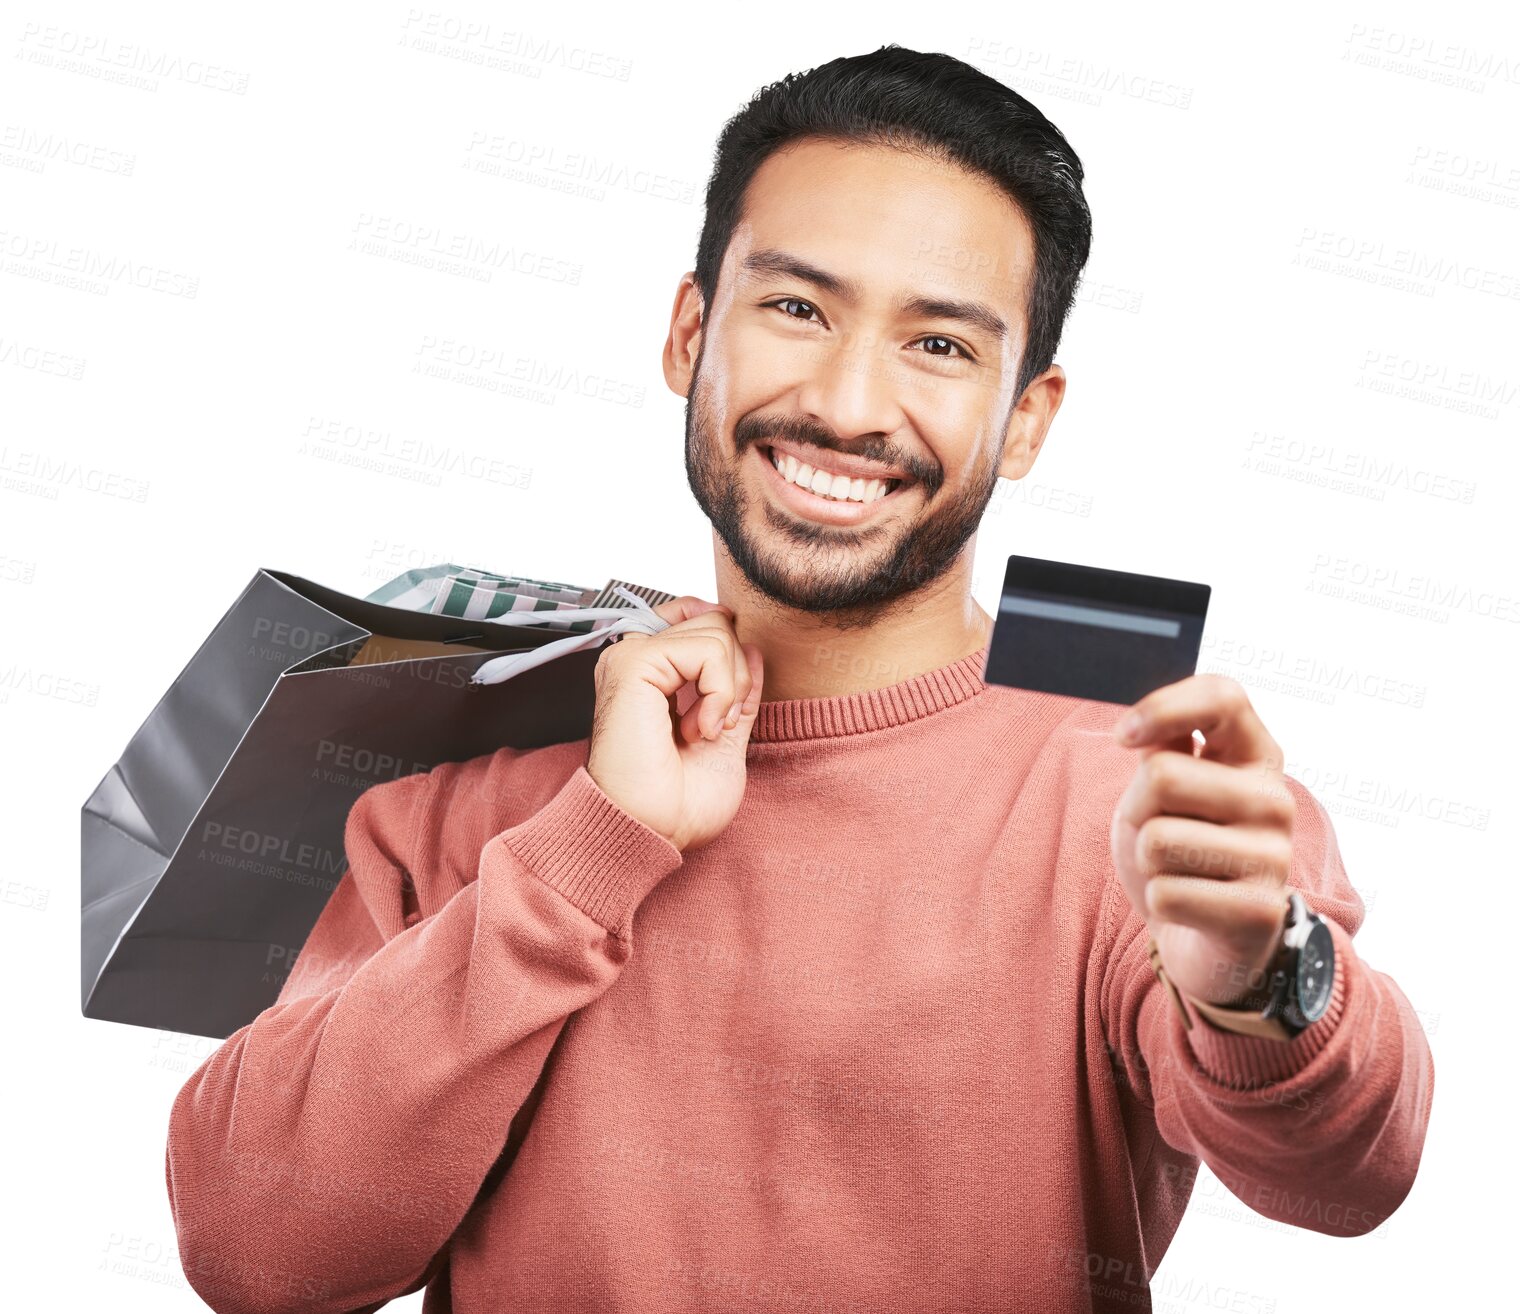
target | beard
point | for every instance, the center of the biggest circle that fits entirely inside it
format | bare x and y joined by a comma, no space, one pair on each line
849,577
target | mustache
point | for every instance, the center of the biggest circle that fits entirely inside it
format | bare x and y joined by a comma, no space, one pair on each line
752,430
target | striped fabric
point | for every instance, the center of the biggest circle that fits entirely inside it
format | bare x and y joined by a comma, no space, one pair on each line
450,590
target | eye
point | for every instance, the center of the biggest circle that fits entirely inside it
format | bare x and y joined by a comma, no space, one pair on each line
935,337
792,301
781,302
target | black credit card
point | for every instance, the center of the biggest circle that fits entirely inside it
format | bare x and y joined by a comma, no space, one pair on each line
1092,633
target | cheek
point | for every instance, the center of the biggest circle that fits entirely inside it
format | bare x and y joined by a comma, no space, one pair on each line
953,418
764,367
744,369
958,450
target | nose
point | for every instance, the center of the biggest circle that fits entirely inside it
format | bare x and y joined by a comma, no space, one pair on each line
851,390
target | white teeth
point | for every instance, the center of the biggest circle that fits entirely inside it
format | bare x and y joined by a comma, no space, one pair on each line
840,488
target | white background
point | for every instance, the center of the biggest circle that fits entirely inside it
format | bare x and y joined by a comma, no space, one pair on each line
1292,376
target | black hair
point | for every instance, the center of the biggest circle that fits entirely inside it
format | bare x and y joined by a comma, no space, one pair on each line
934,105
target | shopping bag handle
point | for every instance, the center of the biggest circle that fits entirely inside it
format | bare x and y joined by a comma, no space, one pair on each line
643,619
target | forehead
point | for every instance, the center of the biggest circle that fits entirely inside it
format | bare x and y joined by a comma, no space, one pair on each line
895,220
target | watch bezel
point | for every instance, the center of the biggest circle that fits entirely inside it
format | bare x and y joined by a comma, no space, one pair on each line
1316,938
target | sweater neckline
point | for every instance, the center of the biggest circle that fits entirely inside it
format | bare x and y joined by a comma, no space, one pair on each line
873,709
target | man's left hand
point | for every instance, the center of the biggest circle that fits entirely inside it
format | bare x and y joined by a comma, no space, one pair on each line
1202,838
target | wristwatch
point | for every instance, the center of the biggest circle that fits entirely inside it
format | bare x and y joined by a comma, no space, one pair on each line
1299,979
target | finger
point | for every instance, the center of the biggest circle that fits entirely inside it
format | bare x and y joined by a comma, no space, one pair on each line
742,682
1216,706
719,619
715,620
1242,914
715,686
756,664
674,658
687,607
1174,783
720,622
1187,846
736,737
689,723
1189,745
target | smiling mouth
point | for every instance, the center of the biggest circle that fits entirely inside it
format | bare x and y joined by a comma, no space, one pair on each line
824,483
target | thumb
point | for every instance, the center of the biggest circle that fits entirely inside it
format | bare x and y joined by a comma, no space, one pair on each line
738,736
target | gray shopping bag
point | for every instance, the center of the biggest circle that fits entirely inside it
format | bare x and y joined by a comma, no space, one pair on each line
210,848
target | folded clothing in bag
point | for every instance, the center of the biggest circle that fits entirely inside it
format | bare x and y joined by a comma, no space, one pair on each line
592,615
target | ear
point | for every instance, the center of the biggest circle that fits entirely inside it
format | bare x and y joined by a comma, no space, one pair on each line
685,341
1030,422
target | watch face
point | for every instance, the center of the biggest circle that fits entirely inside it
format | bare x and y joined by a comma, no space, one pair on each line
1316,972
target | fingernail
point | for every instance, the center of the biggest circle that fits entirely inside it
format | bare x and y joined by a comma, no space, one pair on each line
732,718
1131,727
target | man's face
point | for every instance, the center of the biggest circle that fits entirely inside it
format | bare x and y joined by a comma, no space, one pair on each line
853,381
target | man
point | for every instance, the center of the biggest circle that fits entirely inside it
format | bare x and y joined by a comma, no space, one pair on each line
819,976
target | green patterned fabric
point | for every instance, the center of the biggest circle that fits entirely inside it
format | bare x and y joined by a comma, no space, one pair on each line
450,590
592,615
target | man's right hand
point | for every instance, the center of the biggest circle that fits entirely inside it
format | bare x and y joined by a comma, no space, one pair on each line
679,771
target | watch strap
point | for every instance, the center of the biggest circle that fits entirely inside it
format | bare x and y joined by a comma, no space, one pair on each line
1246,1022
1171,989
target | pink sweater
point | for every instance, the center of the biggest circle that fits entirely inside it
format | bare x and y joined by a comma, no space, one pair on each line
891,1042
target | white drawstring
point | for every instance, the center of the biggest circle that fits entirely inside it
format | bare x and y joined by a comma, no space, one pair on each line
643,620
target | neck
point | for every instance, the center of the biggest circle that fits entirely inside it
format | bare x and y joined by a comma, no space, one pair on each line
808,655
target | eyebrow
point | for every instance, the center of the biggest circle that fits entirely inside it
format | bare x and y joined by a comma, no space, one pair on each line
771,261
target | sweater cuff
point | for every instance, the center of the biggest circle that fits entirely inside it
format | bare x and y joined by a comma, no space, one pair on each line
601,858
1249,1062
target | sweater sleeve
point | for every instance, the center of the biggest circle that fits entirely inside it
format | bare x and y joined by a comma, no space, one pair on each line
322,1157
1322,1132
